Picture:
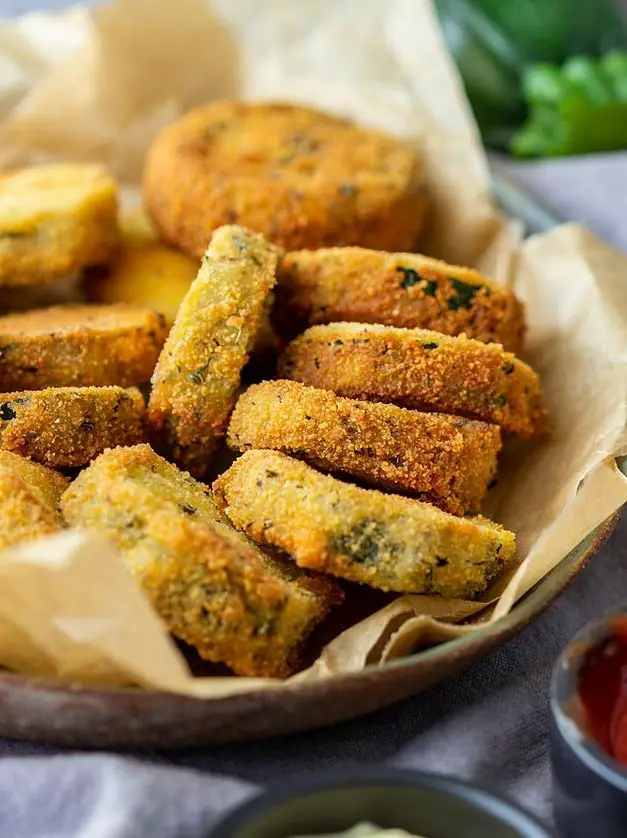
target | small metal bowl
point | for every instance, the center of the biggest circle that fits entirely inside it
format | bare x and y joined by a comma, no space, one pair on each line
589,785
422,804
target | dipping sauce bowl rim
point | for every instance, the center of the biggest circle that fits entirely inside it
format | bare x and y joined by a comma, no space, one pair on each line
566,705
509,813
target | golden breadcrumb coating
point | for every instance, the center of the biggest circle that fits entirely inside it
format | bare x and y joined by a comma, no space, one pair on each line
80,346
213,587
421,369
301,177
29,500
54,221
445,460
46,482
385,541
198,373
69,426
396,289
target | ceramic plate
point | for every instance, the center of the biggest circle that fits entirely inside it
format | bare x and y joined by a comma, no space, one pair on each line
61,714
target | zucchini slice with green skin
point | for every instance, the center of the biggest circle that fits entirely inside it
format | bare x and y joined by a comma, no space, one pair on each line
198,373
396,289
66,427
419,369
385,541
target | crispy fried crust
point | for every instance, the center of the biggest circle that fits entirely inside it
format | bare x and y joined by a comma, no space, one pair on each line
54,221
444,460
385,541
80,346
215,589
145,272
29,500
419,369
46,482
301,177
67,426
396,289
198,372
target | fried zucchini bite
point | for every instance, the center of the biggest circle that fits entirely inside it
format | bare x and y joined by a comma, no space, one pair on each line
198,372
417,368
145,272
54,221
66,426
385,541
396,289
215,589
445,460
301,177
79,346
29,500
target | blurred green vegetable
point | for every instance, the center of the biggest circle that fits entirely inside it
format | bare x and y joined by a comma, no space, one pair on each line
579,108
494,42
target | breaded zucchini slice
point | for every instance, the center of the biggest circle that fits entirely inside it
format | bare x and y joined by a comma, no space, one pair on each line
301,177
54,221
145,272
385,541
417,368
215,589
199,370
29,500
396,289
69,426
46,482
80,346
445,460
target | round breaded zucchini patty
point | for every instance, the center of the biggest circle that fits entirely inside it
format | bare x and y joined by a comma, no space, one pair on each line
396,289
386,541
80,346
54,221
445,460
301,177
420,369
66,427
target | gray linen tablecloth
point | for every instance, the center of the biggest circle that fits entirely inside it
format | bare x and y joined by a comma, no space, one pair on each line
488,724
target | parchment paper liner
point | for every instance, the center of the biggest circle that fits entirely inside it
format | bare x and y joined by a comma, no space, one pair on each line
99,85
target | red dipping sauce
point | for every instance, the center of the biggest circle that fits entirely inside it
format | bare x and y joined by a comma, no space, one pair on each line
603,692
